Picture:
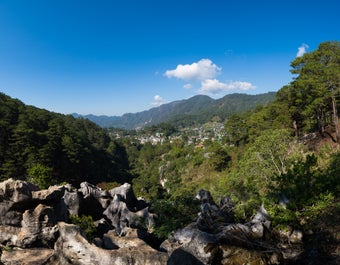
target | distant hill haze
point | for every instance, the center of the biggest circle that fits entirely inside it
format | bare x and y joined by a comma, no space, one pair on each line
195,110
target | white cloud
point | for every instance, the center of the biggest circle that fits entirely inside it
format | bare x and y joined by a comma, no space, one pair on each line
187,86
203,69
214,86
158,100
302,50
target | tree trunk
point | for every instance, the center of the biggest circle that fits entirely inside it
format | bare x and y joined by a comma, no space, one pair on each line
335,120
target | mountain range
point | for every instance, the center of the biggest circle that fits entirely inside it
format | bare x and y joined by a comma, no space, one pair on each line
195,110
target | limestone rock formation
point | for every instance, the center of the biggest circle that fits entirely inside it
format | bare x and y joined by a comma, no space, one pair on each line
35,229
73,248
213,238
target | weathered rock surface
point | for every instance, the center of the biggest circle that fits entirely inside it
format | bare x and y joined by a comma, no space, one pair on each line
32,256
73,248
211,239
34,229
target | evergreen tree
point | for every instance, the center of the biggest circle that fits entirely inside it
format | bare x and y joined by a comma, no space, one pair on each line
317,85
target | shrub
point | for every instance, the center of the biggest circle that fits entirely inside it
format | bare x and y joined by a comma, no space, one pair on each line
85,223
41,175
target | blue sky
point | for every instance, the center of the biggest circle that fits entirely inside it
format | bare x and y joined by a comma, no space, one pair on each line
114,57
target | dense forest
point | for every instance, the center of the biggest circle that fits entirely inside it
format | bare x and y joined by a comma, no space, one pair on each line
54,148
285,155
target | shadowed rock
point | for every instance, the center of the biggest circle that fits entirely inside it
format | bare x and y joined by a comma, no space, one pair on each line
32,218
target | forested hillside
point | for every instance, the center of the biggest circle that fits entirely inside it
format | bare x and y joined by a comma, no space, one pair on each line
196,110
54,148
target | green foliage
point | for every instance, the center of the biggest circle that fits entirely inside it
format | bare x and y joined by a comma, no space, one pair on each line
271,154
236,129
308,193
300,183
173,214
314,94
108,185
281,216
85,223
41,175
219,158
73,150
312,212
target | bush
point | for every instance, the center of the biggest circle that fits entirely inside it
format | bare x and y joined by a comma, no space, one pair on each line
173,214
41,175
85,223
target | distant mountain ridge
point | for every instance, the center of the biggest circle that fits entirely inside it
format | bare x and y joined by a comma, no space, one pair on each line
197,109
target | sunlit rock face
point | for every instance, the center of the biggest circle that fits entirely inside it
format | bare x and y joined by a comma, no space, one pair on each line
35,229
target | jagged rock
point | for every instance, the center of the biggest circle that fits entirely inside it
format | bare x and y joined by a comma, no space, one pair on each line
72,200
32,218
130,239
15,196
102,226
16,190
211,216
193,241
126,193
39,256
23,222
226,208
53,193
204,196
38,227
95,200
204,238
121,217
73,248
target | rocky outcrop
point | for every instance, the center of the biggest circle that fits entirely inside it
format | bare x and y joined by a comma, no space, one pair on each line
73,248
215,239
35,229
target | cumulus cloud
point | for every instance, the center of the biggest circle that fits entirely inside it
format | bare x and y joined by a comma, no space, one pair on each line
214,86
302,50
201,70
158,100
205,72
187,86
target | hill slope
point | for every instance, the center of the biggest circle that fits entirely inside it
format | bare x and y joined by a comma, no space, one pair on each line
197,109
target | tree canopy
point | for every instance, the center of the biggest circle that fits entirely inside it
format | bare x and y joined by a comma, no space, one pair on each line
314,94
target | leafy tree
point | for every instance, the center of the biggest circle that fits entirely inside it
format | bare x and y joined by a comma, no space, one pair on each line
269,155
254,177
219,157
236,129
307,193
318,84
